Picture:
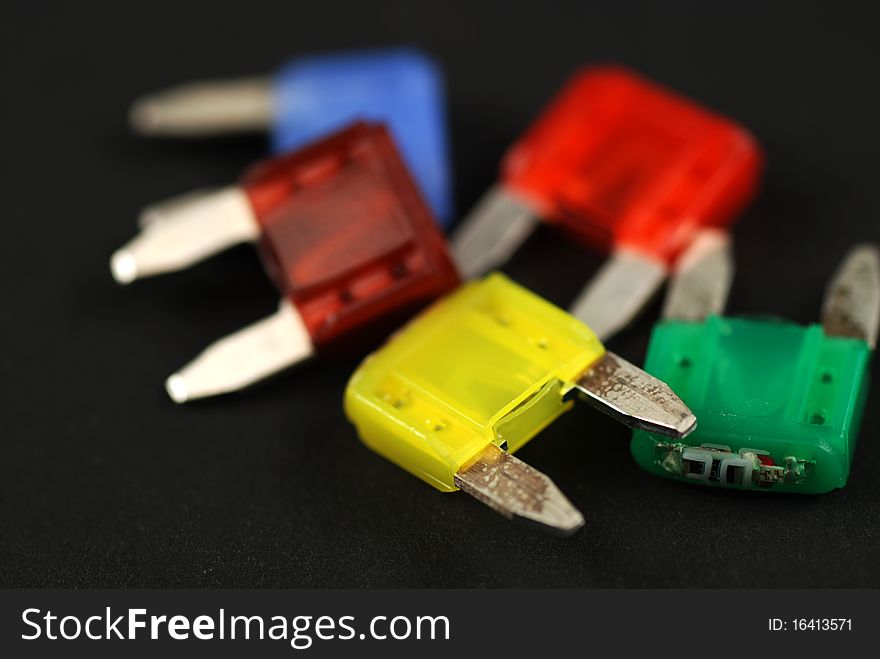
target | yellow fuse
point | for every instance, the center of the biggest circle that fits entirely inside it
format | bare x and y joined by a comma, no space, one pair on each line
479,374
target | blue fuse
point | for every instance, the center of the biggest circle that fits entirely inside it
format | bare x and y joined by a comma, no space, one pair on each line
313,96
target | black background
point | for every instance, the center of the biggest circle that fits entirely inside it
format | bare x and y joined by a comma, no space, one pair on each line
105,483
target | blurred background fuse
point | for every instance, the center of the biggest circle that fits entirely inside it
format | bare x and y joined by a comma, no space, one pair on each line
310,97
343,232
621,164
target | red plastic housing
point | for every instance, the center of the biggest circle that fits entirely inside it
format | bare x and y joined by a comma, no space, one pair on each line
346,234
618,160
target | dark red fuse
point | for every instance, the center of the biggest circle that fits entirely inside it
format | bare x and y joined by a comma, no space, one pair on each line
343,232
622,164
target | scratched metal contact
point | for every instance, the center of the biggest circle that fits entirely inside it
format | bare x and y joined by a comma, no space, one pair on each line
639,400
518,491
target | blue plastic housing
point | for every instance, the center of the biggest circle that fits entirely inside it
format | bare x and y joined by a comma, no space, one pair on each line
400,87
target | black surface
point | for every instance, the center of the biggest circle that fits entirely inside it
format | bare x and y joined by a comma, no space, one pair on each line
104,482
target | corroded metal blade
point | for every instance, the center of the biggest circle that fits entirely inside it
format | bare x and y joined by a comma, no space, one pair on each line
517,491
852,299
630,395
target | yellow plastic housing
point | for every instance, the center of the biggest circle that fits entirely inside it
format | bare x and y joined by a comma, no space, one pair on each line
490,363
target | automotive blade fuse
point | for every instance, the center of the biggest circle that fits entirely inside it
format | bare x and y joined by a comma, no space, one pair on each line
312,96
452,395
780,404
621,164
342,231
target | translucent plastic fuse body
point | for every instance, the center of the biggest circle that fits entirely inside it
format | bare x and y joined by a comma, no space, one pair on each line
621,164
311,97
476,376
779,404
343,232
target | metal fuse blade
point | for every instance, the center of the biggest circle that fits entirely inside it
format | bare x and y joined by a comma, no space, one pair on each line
177,235
852,299
491,233
205,108
701,282
517,491
618,292
627,393
245,357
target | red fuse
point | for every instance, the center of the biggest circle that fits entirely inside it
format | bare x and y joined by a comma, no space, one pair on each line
621,164
343,232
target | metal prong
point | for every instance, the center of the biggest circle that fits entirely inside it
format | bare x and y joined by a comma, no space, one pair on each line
618,292
185,233
852,299
245,357
205,108
701,282
624,391
517,491
491,233
163,209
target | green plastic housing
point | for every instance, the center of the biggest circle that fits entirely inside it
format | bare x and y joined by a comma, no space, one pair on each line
778,405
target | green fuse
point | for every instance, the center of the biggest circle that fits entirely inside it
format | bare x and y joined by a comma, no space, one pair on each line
779,404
